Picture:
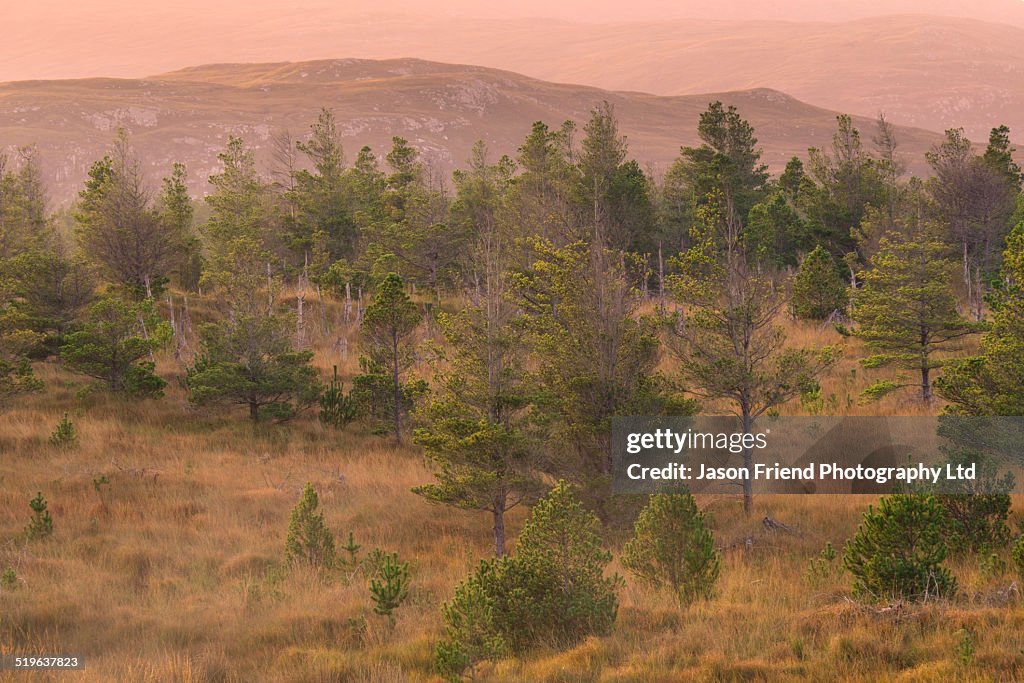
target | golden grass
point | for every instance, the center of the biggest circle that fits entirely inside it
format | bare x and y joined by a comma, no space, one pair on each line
173,571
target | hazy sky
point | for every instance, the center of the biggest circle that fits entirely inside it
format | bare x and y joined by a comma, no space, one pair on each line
78,38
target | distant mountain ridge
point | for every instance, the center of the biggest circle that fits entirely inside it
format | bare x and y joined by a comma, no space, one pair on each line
442,109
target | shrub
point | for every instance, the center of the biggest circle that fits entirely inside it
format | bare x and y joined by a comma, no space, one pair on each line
818,290
391,586
899,548
552,591
824,566
41,524
336,408
64,436
976,517
309,541
9,579
112,343
1017,554
671,546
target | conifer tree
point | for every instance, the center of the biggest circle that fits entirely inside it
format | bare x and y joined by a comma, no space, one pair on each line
390,588
387,333
113,342
552,592
730,344
818,291
596,358
321,194
906,310
309,541
898,550
122,229
251,361
992,383
40,525
671,546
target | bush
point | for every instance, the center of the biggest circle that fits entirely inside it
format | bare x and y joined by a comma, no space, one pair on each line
336,408
671,546
818,291
898,550
309,541
41,524
552,592
114,338
1017,554
9,579
976,518
391,587
64,436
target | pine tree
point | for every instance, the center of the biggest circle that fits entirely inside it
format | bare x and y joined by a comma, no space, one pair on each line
64,436
122,229
596,358
251,361
730,344
387,330
818,291
112,343
41,523
898,551
390,588
322,195
552,592
309,541
992,383
671,546
906,310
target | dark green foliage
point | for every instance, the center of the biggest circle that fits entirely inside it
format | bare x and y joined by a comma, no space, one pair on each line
672,547
552,592
9,579
136,243
40,525
976,517
251,361
352,548
898,550
390,588
596,357
775,232
906,310
386,330
337,409
112,343
992,383
818,291
64,436
309,541
16,378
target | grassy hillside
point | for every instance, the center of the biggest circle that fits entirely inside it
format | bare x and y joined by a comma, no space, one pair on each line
174,570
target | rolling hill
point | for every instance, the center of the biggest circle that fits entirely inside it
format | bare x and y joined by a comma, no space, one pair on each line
442,109
922,69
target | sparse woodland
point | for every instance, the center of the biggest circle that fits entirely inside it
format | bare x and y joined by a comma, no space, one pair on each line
343,419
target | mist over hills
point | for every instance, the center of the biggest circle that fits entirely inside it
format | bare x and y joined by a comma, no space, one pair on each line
442,109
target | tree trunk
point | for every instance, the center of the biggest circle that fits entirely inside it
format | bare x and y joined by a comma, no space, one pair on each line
926,384
254,411
499,529
398,389
748,464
